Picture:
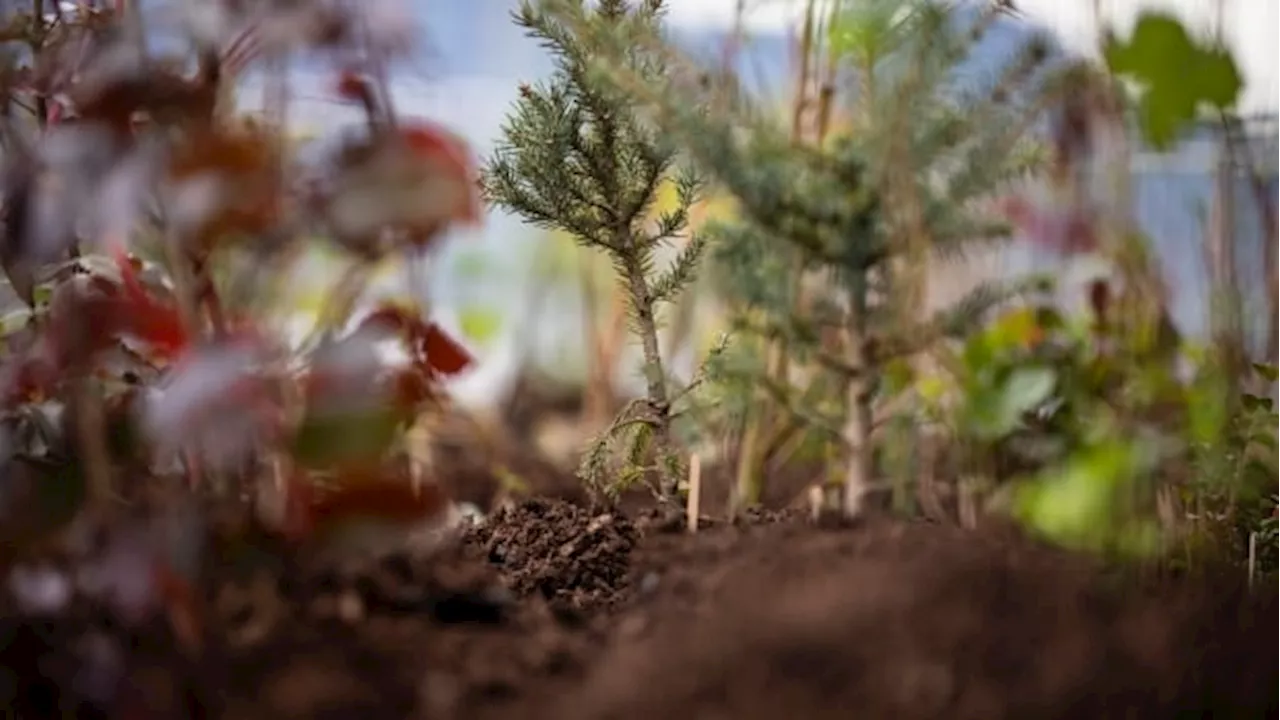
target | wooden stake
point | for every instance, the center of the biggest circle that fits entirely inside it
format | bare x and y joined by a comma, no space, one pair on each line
693,501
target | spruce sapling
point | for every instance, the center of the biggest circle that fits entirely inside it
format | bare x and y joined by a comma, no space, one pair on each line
574,156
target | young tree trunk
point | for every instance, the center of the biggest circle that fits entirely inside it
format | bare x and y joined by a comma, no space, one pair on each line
654,374
857,426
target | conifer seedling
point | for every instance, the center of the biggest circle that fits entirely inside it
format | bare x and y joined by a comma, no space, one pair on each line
574,156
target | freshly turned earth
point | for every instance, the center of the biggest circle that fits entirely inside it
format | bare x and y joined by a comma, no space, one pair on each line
553,611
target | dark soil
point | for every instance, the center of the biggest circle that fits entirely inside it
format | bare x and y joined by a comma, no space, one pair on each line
575,560
552,611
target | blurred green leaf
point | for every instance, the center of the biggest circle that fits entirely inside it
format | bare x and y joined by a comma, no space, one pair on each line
898,376
328,440
998,411
1078,505
1177,74
1027,388
1206,403
1267,438
15,321
480,325
1256,403
1266,370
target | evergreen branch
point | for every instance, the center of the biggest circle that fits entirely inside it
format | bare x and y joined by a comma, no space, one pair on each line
669,284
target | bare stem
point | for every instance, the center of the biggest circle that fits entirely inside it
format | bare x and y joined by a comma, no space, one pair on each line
655,377
857,427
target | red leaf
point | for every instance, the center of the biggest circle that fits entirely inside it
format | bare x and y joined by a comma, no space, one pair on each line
396,318
381,498
431,345
412,387
142,315
443,353
351,86
358,496
436,143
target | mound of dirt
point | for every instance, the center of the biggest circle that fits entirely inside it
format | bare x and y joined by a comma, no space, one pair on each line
909,622
769,619
575,559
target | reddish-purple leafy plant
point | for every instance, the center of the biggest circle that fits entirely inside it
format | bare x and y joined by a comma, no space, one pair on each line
125,190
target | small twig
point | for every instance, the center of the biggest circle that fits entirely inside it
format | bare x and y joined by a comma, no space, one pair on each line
337,312
36,43
184,283
816,499
694,499
1253,557
91,433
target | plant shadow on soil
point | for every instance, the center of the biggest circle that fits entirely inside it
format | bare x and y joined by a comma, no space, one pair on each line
551,610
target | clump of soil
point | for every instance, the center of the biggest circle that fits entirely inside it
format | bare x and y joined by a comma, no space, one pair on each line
575,559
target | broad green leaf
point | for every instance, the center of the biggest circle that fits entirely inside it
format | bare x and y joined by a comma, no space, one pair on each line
1079,505
1069,505
1177,75
998,411
1027,388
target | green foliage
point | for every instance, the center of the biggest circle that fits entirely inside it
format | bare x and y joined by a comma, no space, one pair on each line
1177,75
929,148
1084,426
870,29
576,157
1083,503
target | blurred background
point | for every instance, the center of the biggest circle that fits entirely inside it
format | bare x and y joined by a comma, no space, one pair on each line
519,294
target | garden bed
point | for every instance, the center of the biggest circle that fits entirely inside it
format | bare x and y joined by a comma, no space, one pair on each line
554,611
